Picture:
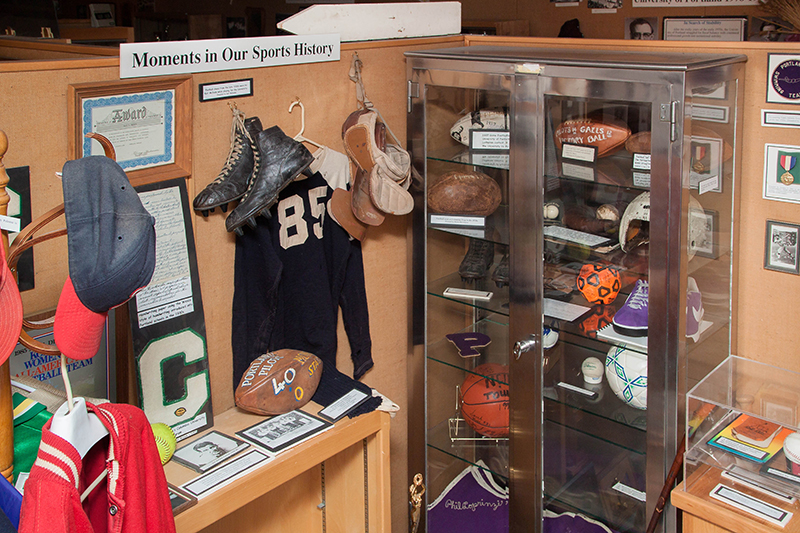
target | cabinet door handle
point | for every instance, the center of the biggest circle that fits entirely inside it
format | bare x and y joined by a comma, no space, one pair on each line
523,346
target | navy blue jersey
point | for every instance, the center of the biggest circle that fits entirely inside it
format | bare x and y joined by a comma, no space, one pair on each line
292,273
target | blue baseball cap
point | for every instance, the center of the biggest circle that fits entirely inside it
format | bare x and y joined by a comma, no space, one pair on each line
111,244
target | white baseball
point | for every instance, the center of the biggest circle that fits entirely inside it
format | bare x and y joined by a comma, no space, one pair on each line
593,370
551,211
791,447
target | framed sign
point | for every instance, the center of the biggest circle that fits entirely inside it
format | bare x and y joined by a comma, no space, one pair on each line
168,328
148,122
705,28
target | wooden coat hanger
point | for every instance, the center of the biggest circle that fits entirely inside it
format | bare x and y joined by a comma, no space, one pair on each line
299,137
72,421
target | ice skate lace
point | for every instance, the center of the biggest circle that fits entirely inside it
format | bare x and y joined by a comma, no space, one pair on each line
238,135
638,299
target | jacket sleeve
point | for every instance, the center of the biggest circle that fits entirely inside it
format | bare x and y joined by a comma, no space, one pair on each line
355,314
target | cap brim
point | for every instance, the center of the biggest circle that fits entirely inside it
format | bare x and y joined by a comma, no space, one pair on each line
10,310
342,213
77,330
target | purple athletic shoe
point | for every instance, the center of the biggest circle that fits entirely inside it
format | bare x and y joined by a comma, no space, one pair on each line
631,319
694,310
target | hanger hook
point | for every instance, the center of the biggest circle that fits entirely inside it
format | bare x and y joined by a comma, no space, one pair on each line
302,115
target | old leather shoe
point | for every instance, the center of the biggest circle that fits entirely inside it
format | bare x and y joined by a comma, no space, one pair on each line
282,160
240,167
479,258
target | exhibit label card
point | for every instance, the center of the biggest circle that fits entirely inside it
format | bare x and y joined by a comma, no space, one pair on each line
161,58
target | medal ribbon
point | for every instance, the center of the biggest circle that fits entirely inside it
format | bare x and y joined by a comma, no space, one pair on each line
788,162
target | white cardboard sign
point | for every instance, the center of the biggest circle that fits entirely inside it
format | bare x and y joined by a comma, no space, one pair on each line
162,58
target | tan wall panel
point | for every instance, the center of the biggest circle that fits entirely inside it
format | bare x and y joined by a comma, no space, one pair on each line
35,120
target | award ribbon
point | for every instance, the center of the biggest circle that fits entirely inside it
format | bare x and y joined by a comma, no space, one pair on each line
787,162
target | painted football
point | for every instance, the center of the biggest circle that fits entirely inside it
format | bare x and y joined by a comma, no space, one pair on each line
608,135
464,193
278,382
485,119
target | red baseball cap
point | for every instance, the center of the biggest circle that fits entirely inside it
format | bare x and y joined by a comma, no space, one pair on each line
10,309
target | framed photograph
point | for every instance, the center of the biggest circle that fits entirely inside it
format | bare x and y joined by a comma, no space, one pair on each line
704,29
283,431
207,451
641,28
179,499
780,247
147,121
706,245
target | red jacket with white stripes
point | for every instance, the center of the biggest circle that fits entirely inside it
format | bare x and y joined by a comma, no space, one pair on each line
132,499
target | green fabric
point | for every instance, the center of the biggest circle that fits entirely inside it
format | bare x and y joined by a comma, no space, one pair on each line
29,417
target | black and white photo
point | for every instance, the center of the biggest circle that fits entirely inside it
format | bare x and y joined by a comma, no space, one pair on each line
780,249
282,431
209,450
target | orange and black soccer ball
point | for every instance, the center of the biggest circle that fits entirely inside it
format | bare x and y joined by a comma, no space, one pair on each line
600,284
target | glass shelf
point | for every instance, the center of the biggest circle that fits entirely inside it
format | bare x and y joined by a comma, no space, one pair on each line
463,156
495,228
493,452
496,327
497,304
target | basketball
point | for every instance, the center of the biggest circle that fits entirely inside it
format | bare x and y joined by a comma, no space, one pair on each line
484,400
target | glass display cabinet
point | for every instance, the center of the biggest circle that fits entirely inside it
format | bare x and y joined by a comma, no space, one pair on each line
562,188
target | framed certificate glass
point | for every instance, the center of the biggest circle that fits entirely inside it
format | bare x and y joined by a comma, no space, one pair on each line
145,121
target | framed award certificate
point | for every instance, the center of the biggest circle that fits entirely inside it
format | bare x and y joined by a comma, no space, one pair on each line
145,121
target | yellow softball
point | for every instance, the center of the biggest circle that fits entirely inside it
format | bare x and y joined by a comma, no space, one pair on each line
165,441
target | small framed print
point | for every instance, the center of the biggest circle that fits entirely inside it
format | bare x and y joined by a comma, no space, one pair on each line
283,431
179,499
706,164
343,405
209,450
780,247
705,245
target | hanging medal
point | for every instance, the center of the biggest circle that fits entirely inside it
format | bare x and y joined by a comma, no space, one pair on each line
787,162
699,154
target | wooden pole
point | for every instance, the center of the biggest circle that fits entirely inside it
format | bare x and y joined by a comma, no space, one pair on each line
6,406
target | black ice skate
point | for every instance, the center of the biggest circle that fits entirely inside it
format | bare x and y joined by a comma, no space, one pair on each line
282,160
479,258
240,168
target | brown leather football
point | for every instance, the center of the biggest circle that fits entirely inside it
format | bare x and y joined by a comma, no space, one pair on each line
464,192
278,382
608,135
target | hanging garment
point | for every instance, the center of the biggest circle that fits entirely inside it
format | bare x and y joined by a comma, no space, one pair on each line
471,503
29,418
132,499
292,274
10,502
